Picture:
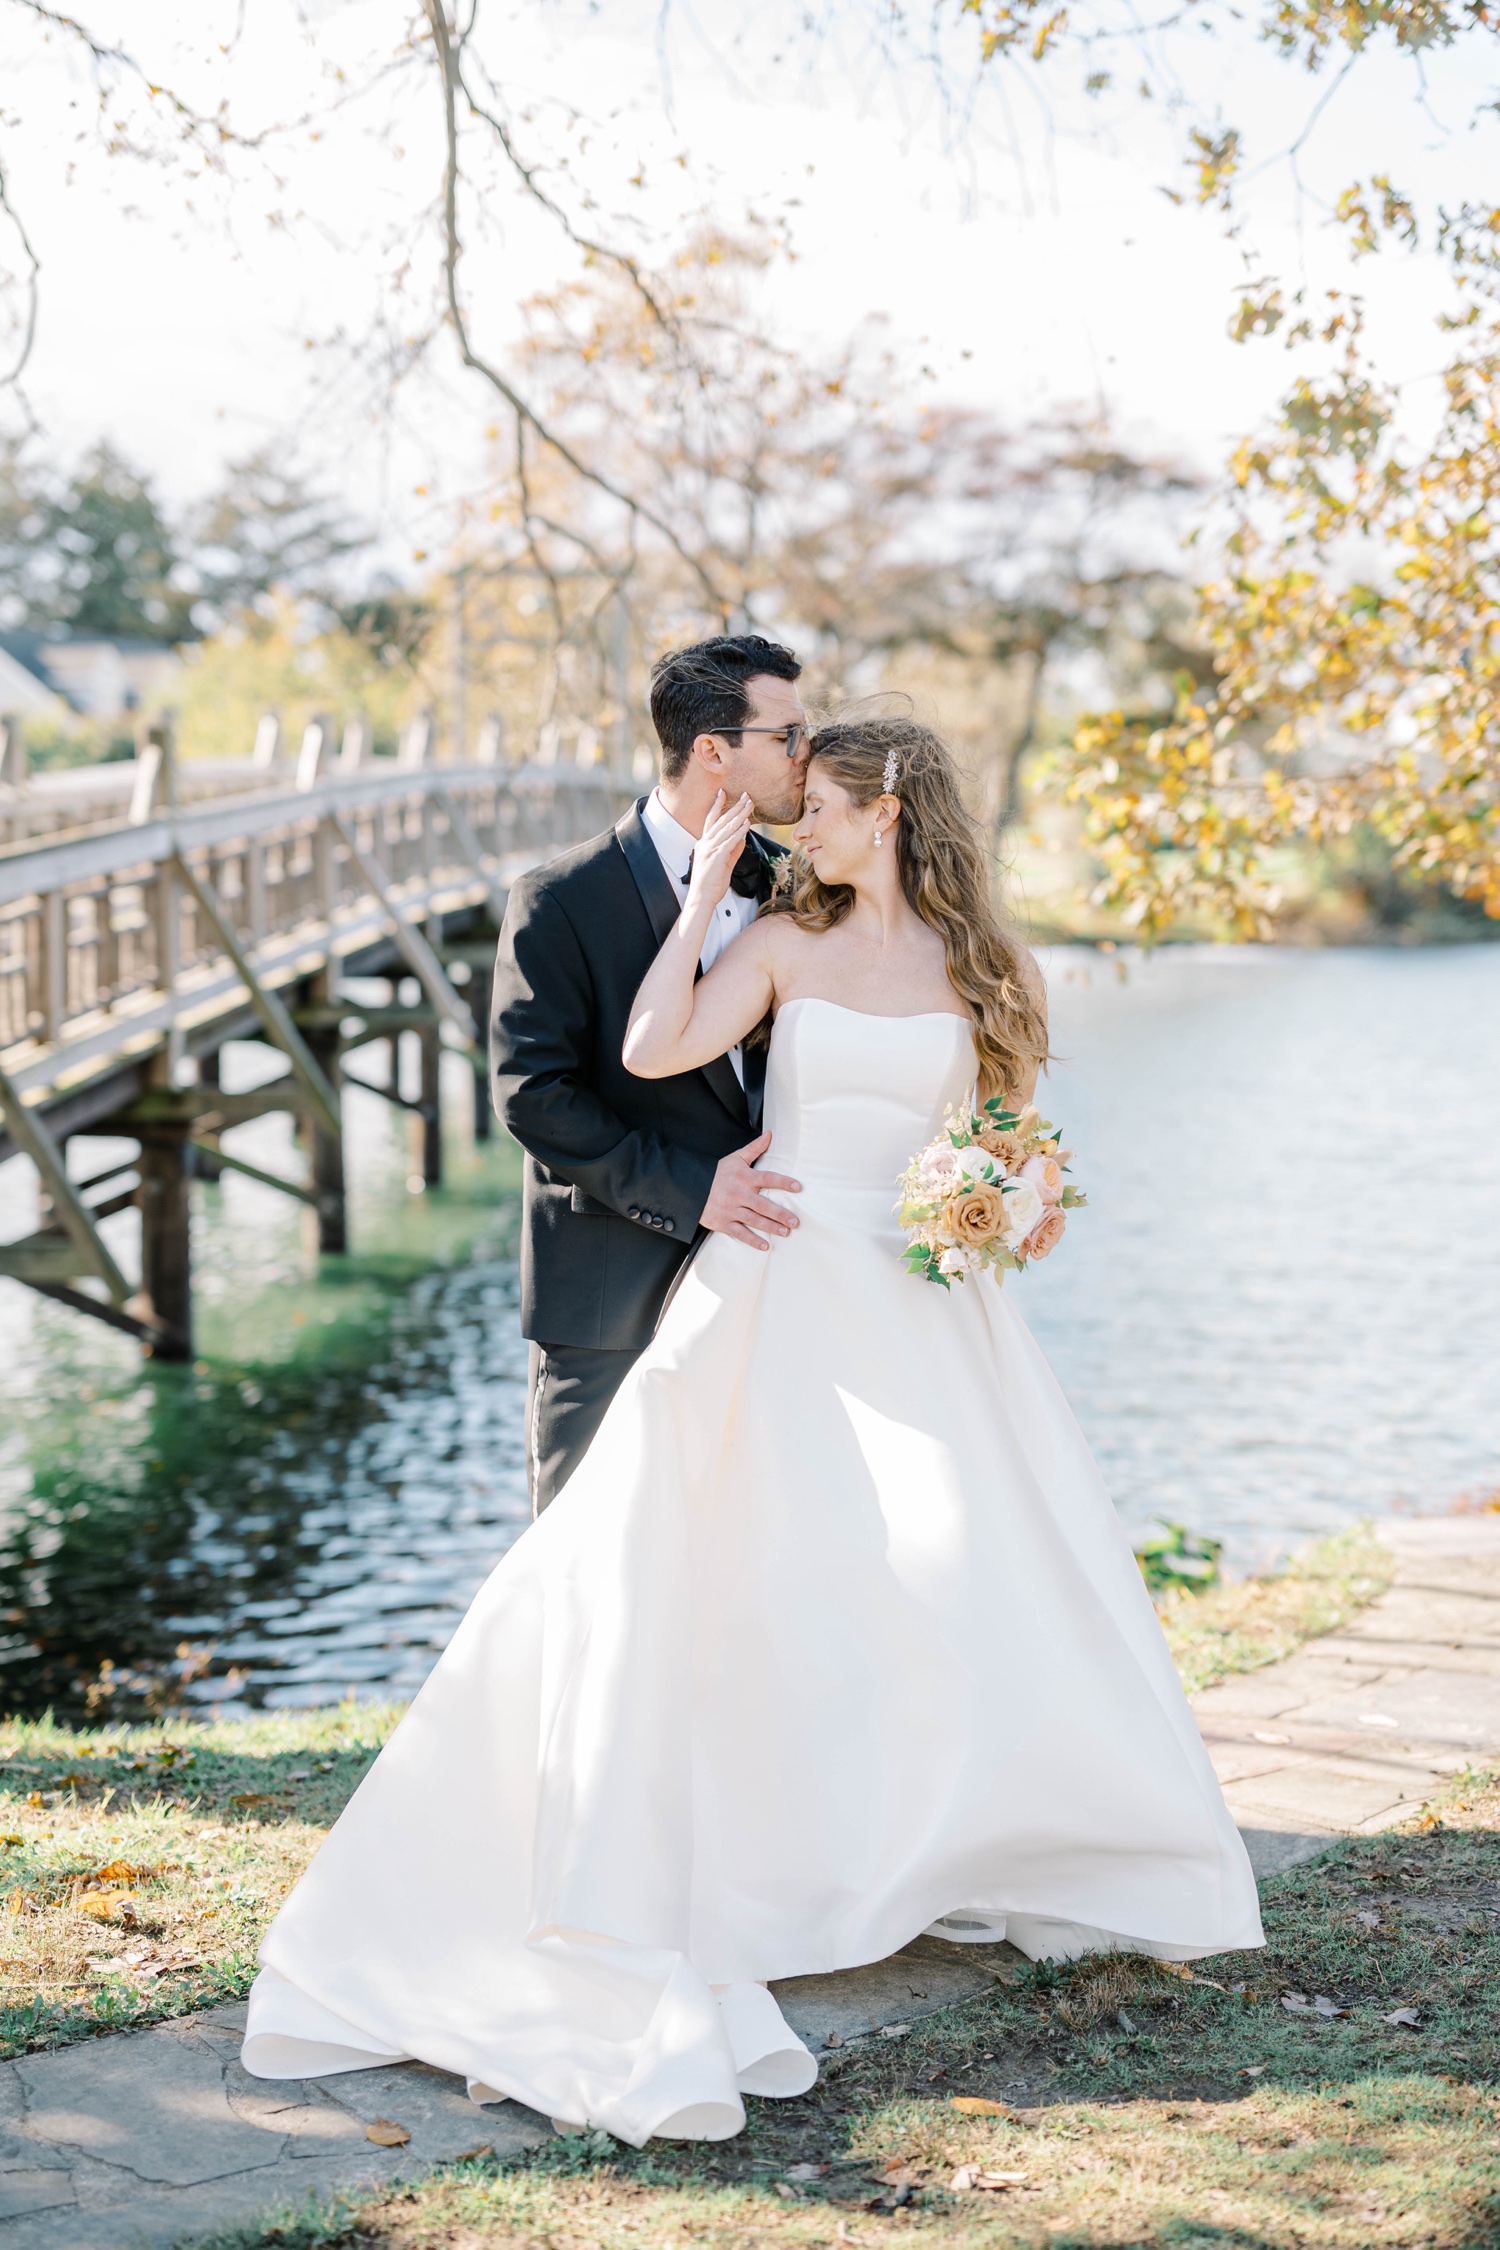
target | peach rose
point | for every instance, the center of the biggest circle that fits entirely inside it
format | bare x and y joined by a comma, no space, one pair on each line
1045,1174
1046,1234
977,1217
1004,1147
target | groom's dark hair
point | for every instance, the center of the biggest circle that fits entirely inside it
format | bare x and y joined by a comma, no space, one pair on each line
701,690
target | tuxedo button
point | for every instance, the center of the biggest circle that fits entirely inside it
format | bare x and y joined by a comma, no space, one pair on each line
635,1210
670,1225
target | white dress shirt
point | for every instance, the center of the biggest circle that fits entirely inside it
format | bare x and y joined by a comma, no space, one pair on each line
674,848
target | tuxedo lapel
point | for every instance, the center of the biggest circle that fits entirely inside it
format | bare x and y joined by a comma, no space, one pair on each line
662,907
651,879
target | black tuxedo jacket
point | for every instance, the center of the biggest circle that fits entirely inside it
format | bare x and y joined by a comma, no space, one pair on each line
618,1168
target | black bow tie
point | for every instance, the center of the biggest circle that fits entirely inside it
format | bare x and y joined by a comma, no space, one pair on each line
747,877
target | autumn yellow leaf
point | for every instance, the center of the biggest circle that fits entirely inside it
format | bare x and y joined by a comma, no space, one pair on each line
386,2133
975,2105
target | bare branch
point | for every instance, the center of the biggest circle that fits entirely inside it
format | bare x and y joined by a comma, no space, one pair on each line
12,375
519,406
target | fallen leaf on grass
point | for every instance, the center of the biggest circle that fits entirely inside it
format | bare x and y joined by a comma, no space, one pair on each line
971,2176
911,1988
894,2030
121,1871
1368,1919
787,2192
834,2039
253,1797
386,2133
976,2105
805,2171
1298,2004
1407,2016
468,2155
12,1839
107,1906
1189,1976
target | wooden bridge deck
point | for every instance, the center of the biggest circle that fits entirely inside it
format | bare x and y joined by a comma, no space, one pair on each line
161,923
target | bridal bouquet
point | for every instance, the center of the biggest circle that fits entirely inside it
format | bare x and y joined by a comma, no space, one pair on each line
989,1193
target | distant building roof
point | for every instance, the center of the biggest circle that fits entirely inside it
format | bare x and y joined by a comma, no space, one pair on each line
102,679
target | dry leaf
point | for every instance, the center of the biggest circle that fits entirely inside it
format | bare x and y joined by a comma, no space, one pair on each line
1406,2016
835,2039
805,2171
976,2105
999,2179
894,2030
467,2155
37,1801
966,2177
121,1871
911,1988
386,2133
1369,1918
107,1906
1254,2070
786,2191
253,1797
12,1839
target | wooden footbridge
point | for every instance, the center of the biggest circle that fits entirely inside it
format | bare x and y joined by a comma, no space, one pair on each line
151,912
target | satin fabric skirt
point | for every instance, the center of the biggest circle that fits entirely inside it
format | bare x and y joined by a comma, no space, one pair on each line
833,1638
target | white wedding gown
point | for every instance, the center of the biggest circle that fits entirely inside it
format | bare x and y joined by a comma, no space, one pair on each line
833,1638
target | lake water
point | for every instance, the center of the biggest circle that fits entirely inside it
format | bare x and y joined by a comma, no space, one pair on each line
1281,1312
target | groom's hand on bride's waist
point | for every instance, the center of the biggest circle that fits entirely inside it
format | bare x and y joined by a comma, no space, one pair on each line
738,1204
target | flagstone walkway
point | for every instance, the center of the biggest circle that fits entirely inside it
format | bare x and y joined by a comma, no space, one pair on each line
160,2135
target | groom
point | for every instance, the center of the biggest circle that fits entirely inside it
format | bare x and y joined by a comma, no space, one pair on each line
621,1173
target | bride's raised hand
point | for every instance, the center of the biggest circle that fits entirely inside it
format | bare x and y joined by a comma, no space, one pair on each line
717,850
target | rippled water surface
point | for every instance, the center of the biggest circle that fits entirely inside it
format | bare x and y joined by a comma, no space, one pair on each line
1281,1312
1282,1309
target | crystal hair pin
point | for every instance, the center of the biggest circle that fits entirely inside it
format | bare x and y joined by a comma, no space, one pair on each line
888,783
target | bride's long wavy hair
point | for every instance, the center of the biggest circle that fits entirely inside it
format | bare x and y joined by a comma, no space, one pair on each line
945,874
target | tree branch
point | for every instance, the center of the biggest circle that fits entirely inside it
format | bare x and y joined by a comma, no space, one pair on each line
524,411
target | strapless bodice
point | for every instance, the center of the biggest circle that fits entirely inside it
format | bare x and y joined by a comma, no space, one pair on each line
850,1098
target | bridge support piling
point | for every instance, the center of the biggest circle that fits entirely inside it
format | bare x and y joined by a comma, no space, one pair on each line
325,1147
166,1236
210,1076
481,999
432,1105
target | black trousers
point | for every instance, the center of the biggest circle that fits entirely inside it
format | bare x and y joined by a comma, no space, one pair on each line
569,1388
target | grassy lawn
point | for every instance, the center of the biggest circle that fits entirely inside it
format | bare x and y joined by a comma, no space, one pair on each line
139,1865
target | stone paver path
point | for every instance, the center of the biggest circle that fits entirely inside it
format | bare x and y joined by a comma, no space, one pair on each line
1354,1731
157,2135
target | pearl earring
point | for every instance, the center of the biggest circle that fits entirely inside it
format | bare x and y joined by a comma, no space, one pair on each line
879,833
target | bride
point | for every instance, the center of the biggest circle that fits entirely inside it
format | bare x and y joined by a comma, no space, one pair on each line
833,1637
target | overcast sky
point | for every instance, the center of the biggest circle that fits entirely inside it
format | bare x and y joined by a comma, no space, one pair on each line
1011,230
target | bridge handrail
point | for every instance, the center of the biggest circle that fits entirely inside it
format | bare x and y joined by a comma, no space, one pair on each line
28,870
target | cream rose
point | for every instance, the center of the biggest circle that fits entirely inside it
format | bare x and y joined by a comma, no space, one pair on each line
980,1216
1046,1234
1023,1208
1045,1174
975,1161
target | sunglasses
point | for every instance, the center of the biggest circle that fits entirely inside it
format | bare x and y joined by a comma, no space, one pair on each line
794,736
